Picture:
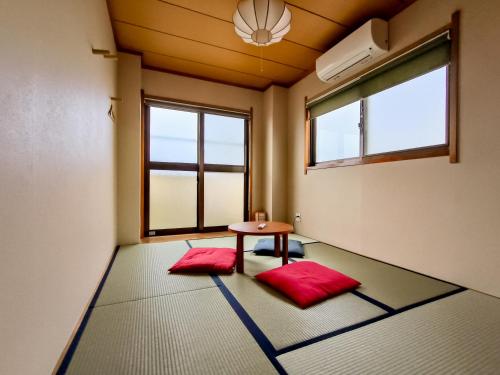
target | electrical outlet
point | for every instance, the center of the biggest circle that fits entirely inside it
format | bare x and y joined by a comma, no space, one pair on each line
298,217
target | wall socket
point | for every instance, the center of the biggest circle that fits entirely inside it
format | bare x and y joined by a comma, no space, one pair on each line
298,217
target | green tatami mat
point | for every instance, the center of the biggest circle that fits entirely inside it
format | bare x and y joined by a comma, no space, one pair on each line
187,333
388,284
249,241
280,319
455,335
141,271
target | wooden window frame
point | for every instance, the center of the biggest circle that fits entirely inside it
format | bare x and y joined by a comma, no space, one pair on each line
450,148
200,167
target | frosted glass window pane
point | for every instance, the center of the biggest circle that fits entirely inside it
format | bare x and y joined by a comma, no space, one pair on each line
337,133
224,140
173,135
172,199
410,115
223,198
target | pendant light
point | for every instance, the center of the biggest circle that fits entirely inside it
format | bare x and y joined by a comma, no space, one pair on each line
262,22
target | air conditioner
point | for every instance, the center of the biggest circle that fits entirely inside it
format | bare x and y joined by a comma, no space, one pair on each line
353,52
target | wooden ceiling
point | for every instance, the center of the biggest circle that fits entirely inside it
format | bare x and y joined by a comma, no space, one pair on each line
197,38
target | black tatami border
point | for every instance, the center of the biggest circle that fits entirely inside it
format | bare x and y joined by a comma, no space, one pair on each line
373,301
76,339
259,336
365,322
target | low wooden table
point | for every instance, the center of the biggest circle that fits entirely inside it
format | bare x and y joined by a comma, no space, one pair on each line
273,228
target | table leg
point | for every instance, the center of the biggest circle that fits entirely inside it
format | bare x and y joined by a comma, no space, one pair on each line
285,248
277,252
239,253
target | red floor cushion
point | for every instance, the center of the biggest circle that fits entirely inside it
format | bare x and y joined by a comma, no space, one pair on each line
206,260
307,282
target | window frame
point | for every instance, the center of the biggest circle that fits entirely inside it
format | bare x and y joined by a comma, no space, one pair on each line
199,167
450,148
313,137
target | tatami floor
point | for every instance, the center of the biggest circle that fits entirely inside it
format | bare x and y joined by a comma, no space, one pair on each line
147,321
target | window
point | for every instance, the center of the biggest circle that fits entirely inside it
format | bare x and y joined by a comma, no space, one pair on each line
337,133
399,111
196,173
224,140
407,116
173,135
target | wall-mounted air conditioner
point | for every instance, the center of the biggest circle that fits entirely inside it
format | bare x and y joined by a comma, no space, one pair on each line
353,52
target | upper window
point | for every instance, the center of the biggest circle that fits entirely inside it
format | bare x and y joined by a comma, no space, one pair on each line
399,111
337,133
174,135
224,140
409,115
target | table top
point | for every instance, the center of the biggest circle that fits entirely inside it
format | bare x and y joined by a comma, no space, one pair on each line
250,227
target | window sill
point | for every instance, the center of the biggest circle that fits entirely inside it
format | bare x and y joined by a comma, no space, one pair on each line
418,153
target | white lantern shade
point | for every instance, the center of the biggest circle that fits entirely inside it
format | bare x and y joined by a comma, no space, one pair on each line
262,22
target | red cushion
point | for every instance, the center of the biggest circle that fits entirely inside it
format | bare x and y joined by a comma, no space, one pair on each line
307,282
206,260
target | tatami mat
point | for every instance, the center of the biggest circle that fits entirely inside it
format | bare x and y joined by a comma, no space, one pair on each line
388,284
255,264
229,241
187,333
141,271
147,321
455,335
280,319
249,241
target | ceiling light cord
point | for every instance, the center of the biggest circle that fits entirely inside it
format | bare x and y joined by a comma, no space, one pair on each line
261,59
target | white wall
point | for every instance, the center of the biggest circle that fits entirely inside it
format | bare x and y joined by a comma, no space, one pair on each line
428,215
129,157
57,189
267,151
275,164
280,143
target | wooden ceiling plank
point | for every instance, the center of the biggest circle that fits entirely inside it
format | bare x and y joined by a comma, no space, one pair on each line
177,66
179,20
303,35
201,42
312,13
352,13
314,31
206,64
138,39
222,9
